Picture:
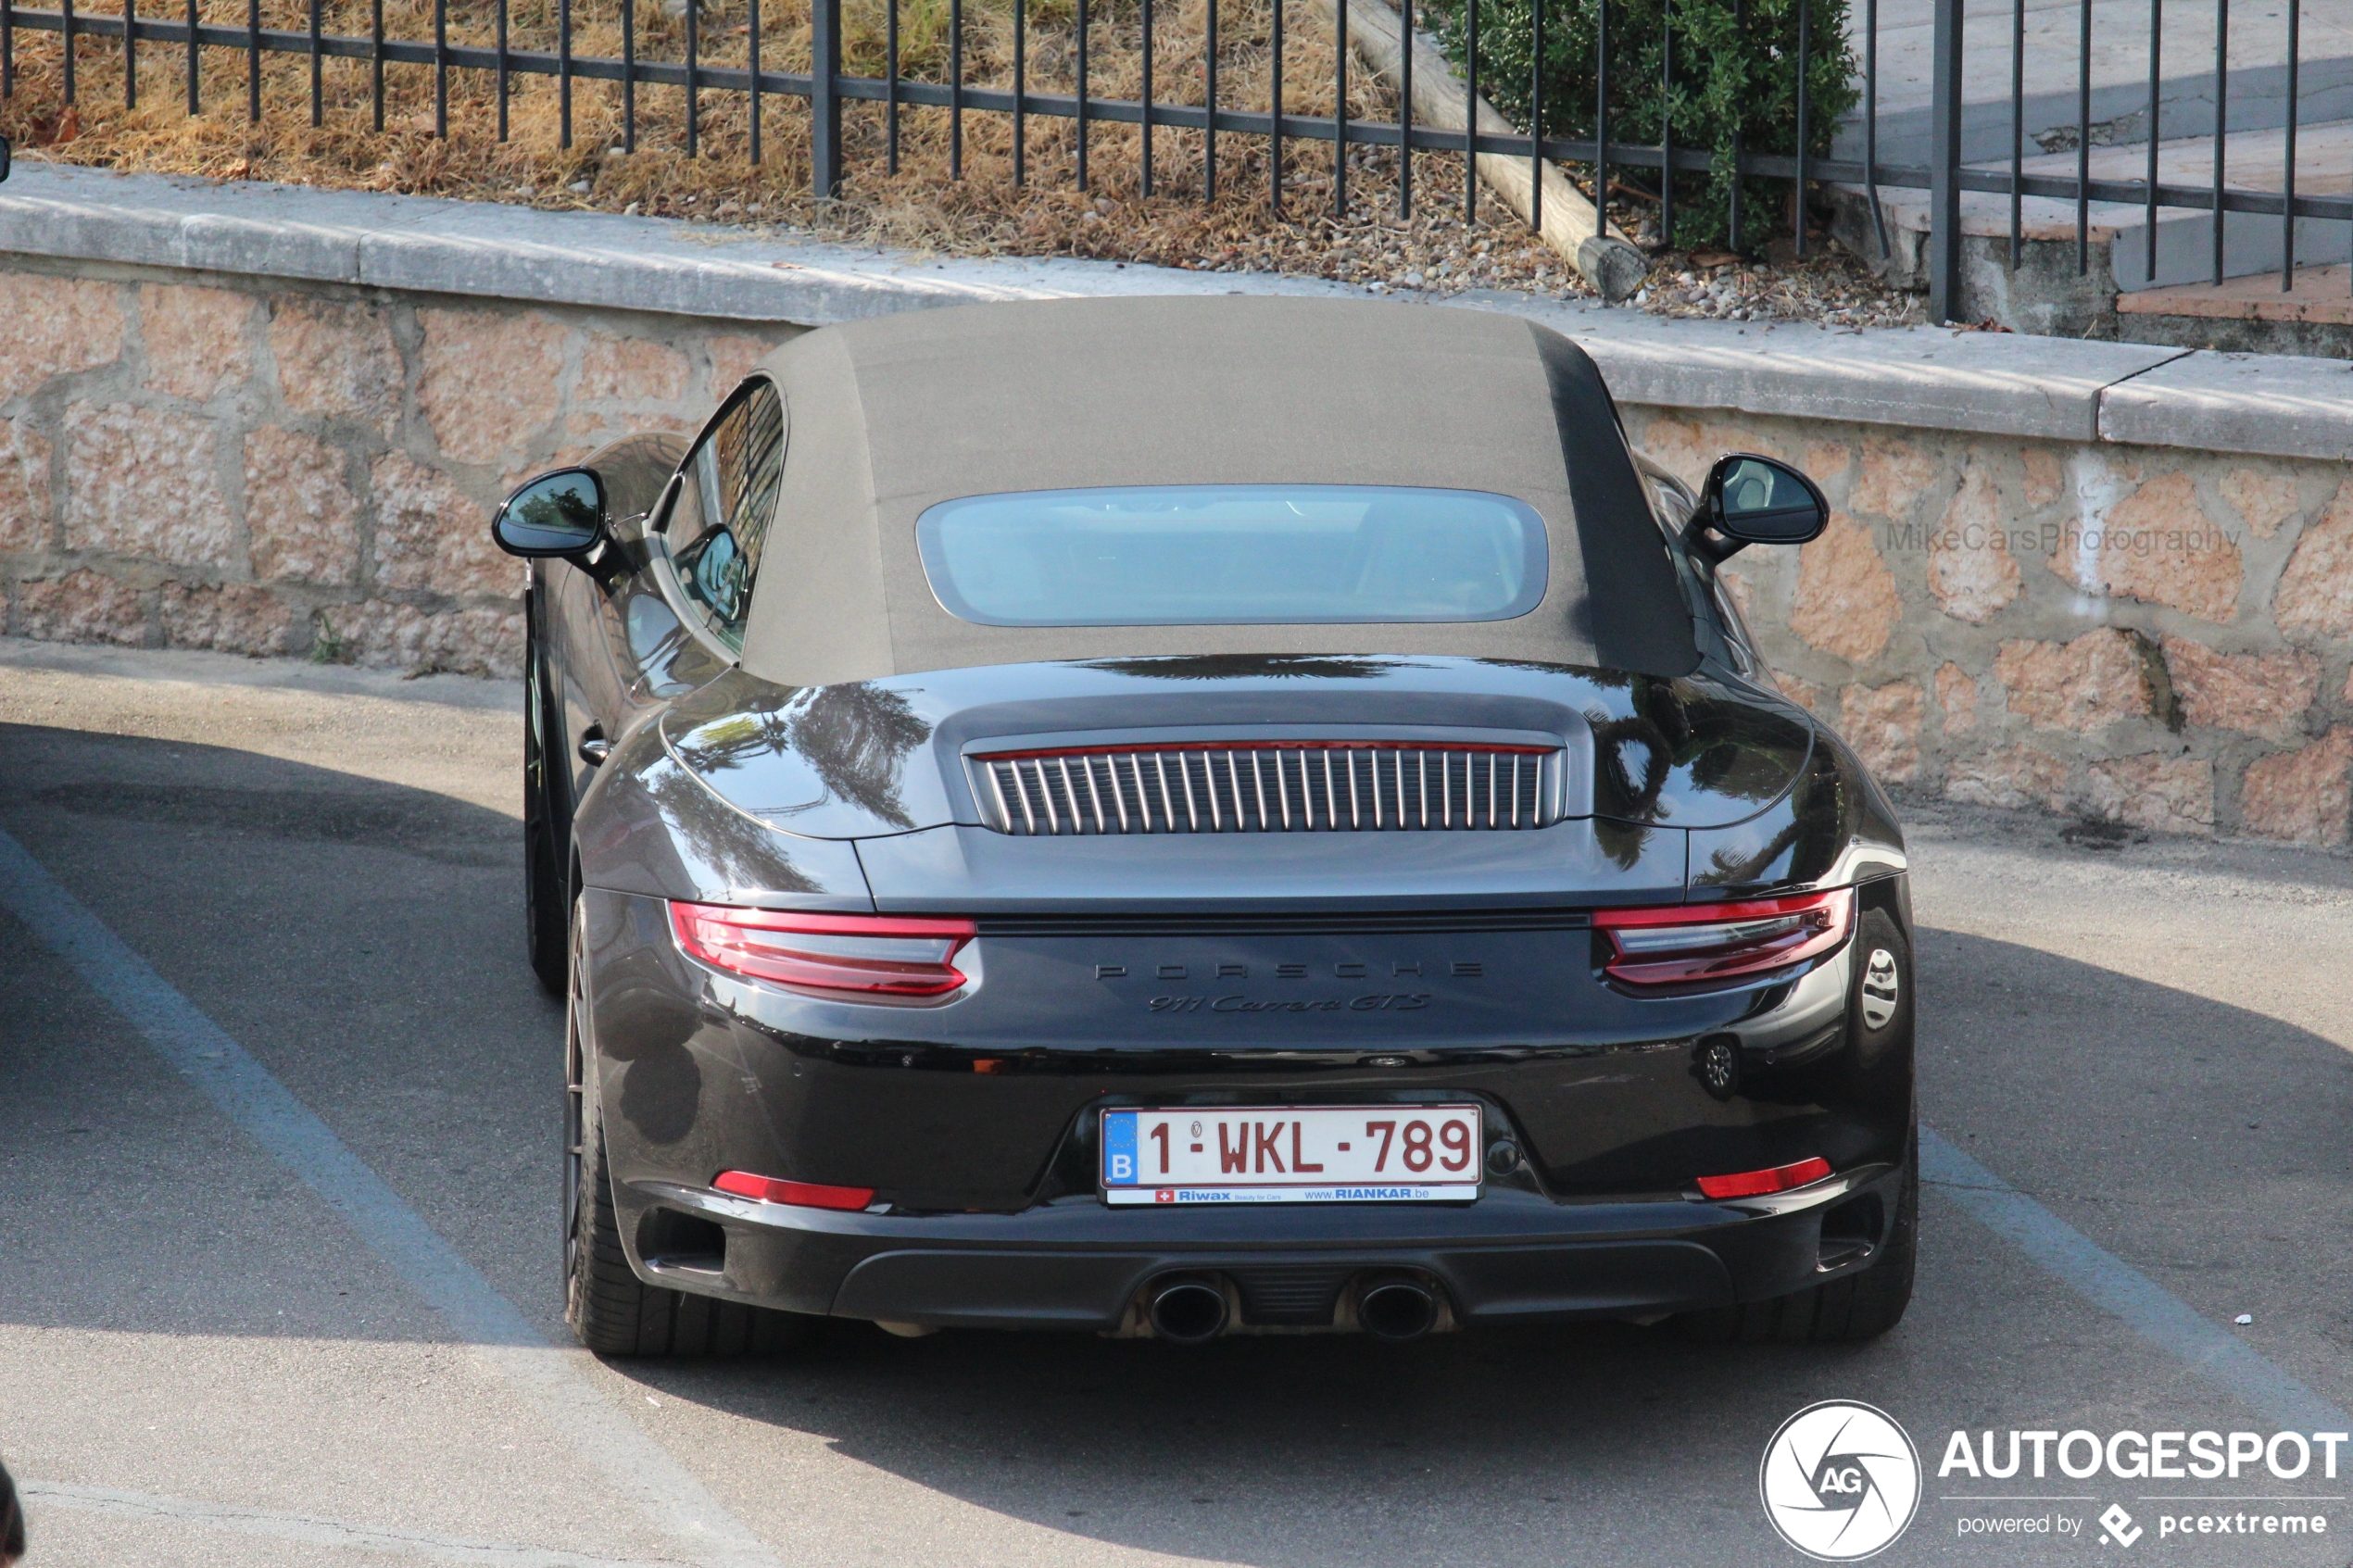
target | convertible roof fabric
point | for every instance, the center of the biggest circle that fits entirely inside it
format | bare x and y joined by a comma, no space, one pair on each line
891,415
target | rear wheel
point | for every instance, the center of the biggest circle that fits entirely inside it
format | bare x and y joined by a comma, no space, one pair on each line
612,1310
1866,1303
546,898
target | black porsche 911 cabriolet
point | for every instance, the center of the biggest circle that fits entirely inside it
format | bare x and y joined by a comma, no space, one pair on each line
1184,817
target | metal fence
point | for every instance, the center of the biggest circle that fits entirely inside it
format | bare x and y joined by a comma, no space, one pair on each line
1976,128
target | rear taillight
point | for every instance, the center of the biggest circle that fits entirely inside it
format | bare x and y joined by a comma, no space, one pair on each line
1756,1184
872,955
1689,943
801,1194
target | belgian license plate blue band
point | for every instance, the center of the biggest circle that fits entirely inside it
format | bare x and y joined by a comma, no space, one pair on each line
1291,1154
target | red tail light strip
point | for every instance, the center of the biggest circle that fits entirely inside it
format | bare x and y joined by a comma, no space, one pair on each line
1756,1184
851,956
801,1194
1689,944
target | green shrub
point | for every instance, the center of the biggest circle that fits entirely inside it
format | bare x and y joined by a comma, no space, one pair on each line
1735,72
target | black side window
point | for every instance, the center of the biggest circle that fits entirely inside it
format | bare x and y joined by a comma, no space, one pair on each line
727,496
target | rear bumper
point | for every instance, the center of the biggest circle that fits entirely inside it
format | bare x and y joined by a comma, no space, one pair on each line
1514,1256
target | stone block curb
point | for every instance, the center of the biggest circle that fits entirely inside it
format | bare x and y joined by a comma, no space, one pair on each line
1928,378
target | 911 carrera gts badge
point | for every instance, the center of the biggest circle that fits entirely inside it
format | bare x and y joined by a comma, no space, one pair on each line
1461,969
1376,1001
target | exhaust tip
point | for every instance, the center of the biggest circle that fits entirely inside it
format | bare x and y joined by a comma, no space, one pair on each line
1397,1310
1189,1311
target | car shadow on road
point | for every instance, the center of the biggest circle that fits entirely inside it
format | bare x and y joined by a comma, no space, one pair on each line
370,955
2075,1083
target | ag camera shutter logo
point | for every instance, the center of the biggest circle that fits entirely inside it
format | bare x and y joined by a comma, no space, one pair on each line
1839,1480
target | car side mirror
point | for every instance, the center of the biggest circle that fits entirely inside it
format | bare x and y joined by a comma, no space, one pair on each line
1753,500
4,157
559,514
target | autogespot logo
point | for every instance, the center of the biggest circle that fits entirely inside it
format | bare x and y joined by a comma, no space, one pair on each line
1840,1480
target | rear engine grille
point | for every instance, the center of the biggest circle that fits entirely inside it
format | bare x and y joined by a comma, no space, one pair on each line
1266,786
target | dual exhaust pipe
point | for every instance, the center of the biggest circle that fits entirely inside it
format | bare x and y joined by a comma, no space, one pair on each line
1193,1308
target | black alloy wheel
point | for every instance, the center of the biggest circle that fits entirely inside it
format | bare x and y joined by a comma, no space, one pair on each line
613,1311
546,899
1870,1300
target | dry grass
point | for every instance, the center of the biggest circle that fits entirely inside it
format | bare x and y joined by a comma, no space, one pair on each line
920,207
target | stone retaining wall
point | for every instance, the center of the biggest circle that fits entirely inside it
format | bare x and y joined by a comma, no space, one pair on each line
304,469
2089,578
2142,635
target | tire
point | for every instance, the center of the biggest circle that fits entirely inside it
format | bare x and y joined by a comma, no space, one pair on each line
1866,1303
546,898
612,1310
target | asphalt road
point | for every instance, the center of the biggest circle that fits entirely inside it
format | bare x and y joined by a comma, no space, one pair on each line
203,1360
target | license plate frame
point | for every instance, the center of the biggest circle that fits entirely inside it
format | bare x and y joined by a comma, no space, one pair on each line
1187,1154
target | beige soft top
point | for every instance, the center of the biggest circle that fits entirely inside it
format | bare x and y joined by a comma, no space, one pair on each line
889,416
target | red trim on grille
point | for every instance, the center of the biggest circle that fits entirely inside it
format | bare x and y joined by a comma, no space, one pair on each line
1483,746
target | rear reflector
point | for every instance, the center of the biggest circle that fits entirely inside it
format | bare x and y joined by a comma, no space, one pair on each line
848,955
801,1194
1753,1183
1689,944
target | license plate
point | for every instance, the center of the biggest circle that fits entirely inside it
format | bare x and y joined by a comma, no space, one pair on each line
1292,1154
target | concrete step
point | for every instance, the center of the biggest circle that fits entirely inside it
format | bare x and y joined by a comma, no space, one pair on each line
2118,231
2258,85
2250,315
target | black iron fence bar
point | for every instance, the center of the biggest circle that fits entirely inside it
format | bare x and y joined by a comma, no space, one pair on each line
377,44
318,72
1340,103
890,73
498,89
1274,110
194,88
955,89
1804,48
1021,89
2287,218
2221,119
825,100
1209,96
440,67
693,62
253,62
69,33
1470,110
564,76
2156,102
1081,70
1870,124
129,57
1601,110
1535,114
1944,162
1404,105
1667,124
8,53
2017,128
2082,138
752,45
1145,137
628,76
1740,29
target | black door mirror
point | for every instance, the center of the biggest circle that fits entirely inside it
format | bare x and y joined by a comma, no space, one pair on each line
1753,500
558,514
